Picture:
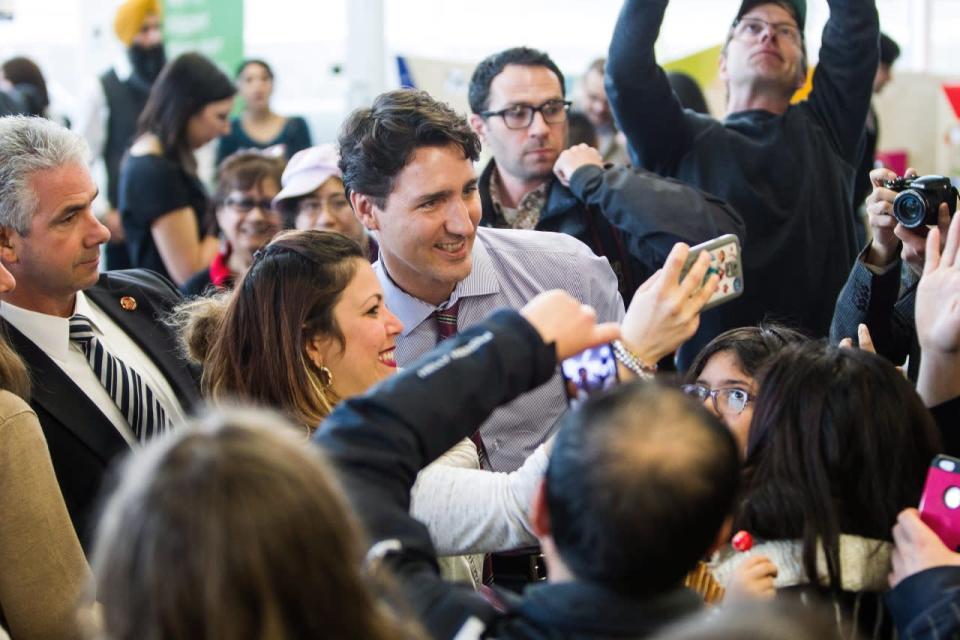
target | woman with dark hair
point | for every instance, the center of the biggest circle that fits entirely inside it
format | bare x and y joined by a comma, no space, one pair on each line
723,375
161,197
232,528
243,209
25,77
258,127
838,446
44,570
306,327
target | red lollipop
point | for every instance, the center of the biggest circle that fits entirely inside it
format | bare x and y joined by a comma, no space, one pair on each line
742,541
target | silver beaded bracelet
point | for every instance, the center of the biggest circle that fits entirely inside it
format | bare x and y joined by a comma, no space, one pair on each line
630,360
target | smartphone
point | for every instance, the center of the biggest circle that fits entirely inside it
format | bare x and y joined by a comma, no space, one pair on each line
589,372
940,502
725,261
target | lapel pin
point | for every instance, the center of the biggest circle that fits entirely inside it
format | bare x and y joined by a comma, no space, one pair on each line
128,303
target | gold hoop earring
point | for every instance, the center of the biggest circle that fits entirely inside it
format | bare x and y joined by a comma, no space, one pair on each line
326,376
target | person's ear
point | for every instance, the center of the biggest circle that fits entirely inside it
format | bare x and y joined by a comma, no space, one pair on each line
317,349
540,513
365,210
479,126
8,245
722,67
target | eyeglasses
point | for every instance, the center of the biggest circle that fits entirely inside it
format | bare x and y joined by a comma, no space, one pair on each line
313,207
246,205
750,30
519,116
728,401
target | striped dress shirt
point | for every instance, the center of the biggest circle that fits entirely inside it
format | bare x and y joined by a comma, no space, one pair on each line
509,268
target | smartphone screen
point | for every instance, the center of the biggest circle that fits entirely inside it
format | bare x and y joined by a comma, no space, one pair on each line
589,372
940,502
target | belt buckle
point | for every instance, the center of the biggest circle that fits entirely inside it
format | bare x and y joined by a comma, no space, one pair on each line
538,569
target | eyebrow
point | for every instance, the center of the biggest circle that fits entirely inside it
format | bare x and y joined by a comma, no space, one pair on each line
727,382
73,208
427,197
376,296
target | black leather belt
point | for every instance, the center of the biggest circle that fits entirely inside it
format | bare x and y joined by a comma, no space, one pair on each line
518,568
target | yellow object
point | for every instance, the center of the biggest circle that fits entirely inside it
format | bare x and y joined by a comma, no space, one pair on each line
130,16
804,91
703,66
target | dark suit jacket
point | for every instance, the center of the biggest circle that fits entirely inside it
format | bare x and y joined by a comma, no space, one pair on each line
885,305
82,441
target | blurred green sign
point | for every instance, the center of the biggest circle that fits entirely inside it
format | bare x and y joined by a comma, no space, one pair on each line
212,27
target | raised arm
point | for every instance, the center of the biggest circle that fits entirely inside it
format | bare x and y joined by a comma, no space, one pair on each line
382,440
653,212
643,103
843,79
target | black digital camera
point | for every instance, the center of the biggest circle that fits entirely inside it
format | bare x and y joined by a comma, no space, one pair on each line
919,199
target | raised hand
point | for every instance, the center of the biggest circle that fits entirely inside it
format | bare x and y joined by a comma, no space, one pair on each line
559,317
938,294
665,311
572,159
917,548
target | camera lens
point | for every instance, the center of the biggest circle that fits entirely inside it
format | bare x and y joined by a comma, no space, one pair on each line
910,208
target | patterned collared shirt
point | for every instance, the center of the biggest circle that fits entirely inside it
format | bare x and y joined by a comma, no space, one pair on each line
526,214
509,268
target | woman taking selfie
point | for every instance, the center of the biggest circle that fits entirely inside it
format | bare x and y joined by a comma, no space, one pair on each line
306,327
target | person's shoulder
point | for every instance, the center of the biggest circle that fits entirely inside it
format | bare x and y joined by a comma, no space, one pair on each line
13,407
296,123
144,279
540,252
522,241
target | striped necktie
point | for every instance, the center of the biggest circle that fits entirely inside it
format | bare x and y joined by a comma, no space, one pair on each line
135,399
447,328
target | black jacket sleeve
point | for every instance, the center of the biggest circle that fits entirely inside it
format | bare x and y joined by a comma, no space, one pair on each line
925,605
643,102
843,79
947,416
873,300
380,441
653,212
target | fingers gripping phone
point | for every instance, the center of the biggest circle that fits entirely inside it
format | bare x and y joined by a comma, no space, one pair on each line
725,261
589,372
940,502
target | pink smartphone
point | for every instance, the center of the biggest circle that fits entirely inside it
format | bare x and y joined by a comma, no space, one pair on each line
940,502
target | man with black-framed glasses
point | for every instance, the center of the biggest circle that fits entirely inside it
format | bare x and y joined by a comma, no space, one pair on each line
632,218
788,169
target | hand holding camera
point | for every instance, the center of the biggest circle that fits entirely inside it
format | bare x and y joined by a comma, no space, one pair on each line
920,201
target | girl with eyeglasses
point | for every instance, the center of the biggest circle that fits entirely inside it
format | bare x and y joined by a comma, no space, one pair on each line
722,376
243,210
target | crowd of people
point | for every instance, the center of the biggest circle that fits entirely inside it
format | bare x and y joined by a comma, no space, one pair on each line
325,400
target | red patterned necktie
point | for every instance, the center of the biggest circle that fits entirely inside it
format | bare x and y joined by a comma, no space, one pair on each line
447,328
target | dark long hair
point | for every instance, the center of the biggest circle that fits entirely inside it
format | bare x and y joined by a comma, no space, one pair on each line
252,342
24,73
839,443
183,89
